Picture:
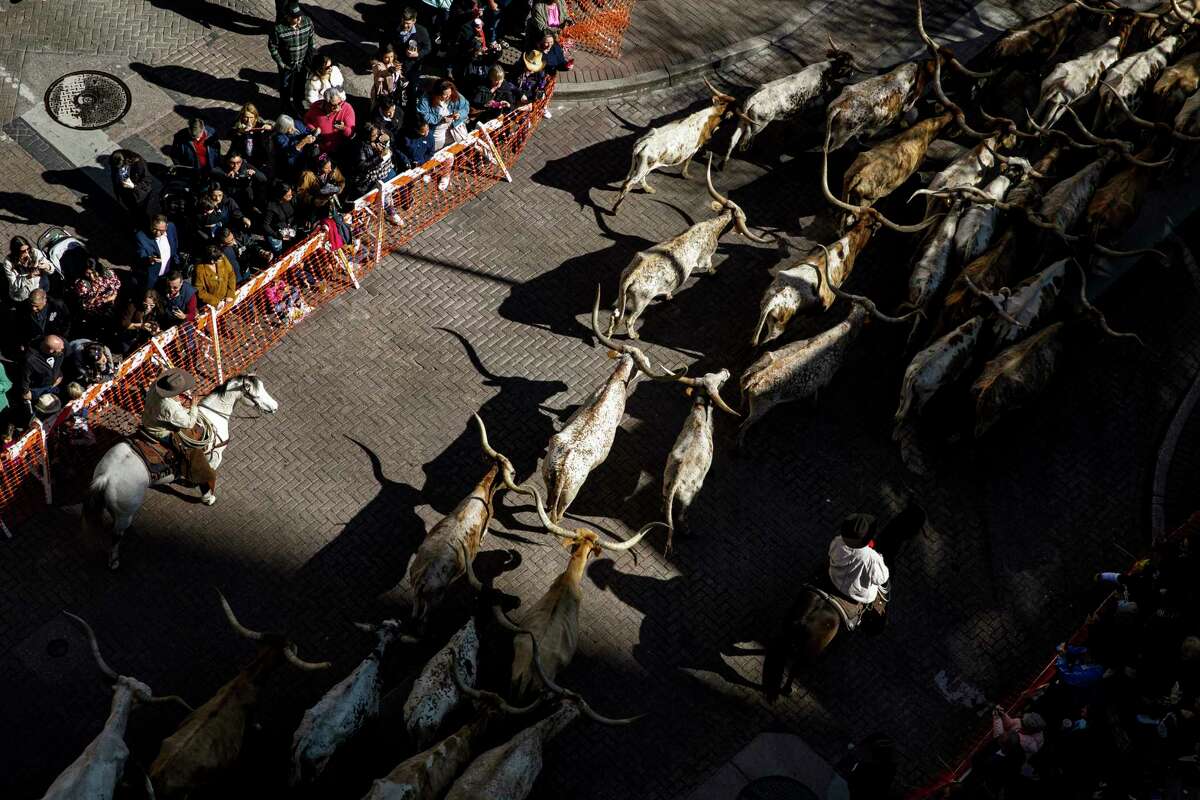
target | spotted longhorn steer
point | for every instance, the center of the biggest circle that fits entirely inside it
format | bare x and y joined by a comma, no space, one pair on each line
674,143
867,107
784,98
798,289
1071,81
664,268
584,442
1129,76
343,710
691,455
209,741
95,773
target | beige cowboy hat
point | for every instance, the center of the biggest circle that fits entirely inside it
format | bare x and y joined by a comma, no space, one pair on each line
173,381
47,406
533,60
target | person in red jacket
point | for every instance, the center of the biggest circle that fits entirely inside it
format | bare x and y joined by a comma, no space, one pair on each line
332,119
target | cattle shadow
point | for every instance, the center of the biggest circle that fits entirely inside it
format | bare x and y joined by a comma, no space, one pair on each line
378,540
260,78
519,423
98,215
554,299
195,83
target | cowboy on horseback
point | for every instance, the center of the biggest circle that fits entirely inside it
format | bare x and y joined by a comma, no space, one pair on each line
168,422
856,569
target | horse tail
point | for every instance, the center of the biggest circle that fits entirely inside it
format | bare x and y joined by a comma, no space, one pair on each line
92,518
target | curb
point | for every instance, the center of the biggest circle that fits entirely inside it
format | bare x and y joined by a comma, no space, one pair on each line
676,73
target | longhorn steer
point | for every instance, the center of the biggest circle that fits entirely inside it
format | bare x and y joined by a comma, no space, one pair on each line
885,167
1117,203
553,621
435,694
969,169
801,369
1177,83
691,455
931,266
978,223
584,442
509,770
867,107
94,775
1036,42
1071,81
1130,75
934,367
343,710
209,740
428,774
662,269
786,97
798,288
674,143
438,561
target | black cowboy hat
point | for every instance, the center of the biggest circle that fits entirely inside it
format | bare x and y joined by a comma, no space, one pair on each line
858,529
173,381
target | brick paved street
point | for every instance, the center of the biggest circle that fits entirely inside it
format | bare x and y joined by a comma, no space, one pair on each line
322,505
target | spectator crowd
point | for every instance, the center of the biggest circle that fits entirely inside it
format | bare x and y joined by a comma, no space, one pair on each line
235,200
1120,719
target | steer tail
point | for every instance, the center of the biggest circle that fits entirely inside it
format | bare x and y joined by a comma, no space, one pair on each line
92,519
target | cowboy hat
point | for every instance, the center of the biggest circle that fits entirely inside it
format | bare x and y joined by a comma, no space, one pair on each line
173,381
858,529
47,406
533,60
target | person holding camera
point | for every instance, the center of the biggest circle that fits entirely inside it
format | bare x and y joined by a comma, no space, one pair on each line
387,76
332,120
141,321
279,222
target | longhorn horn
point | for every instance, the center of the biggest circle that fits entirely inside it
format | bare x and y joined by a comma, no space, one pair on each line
938,50
491,698
1122,147
718,93
638,356
1097,315
1009,126
995,302
108,671
1020,163
714,394
308,666
959,115
574,697
1184,17
507,471
866,302
1145,123
863,209
239,628
739,216
602,544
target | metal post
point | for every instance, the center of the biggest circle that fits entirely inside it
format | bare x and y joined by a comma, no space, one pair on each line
161,353
216,340
341,257
379,229
496,152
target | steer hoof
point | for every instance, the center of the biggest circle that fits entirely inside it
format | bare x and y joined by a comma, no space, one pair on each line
208,498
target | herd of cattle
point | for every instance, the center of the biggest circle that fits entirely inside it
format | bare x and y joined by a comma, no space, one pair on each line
986,214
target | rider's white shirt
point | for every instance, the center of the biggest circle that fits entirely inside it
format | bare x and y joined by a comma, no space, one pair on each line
163,415
857,572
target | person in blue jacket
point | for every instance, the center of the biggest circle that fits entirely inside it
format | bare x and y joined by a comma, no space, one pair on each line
416,146
157,250
443,108
197,146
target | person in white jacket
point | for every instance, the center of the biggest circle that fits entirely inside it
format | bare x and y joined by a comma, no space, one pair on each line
856,569
322,74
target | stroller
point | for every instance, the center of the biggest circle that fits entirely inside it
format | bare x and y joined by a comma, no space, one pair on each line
65,251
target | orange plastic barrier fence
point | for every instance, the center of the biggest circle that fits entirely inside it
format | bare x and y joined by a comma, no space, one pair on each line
225,341
958,773
599,25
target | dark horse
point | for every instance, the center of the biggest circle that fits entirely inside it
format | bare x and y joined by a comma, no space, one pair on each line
814,620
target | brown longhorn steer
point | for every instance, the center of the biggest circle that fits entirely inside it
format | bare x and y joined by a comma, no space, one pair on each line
885,167
209,740
867,107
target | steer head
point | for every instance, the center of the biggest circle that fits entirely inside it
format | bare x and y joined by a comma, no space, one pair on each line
137,690
584,542
618,349
273,648
735,211
721,103
710,384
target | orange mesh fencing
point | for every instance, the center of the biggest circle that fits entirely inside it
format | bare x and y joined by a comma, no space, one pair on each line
225,341
599,25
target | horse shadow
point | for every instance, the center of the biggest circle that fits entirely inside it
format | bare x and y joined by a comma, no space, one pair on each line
515,428
370,554
195,83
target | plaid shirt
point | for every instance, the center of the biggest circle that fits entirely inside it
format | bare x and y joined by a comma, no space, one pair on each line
292,47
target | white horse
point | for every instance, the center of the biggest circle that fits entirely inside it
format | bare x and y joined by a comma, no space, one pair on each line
120,481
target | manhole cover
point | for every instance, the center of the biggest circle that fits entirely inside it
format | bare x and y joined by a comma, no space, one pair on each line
776,787
87,100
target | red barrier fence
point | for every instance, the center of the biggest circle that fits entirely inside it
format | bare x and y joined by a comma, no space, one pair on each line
1188,529
599,25
227,340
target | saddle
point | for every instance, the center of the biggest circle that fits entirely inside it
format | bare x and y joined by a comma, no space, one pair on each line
852,612
161,462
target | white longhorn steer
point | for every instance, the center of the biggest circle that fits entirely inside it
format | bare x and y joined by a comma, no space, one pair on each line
691,455
674,143
1071,81
788,96
584,442
94,775
435,694
665,267
867,107
343,710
